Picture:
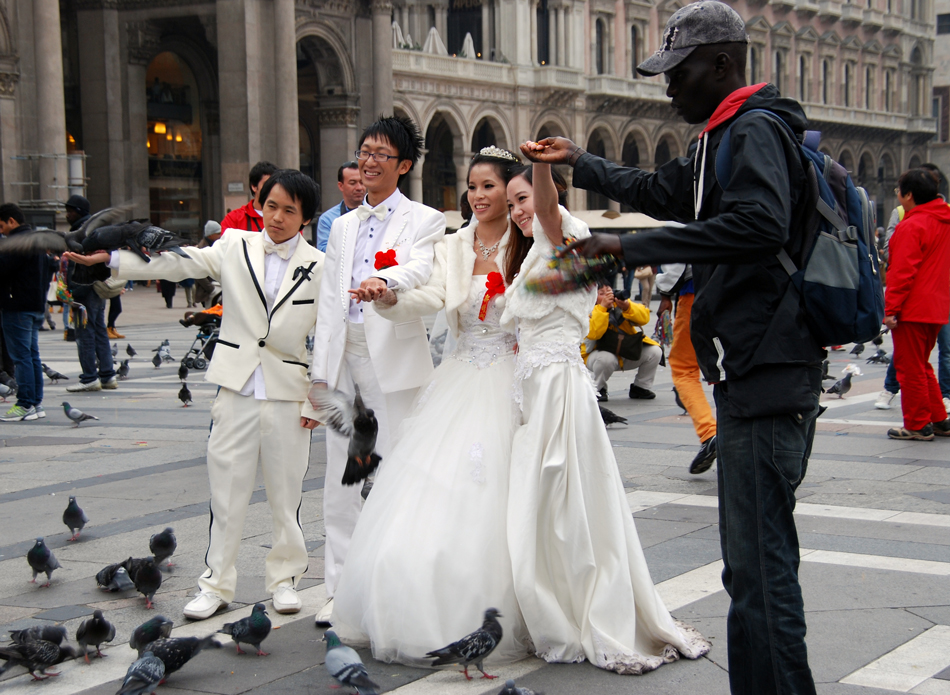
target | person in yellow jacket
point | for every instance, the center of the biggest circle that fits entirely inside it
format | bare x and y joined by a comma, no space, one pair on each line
602,352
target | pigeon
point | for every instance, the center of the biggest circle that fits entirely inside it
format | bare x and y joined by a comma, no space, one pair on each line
57,242
175,652
825,367
123,371
157,360
879,357
512,689
842,386
129,350
35,655
182,372
878,339
146,577
308,343
184,395
6,391
857,349
149,631
41,559
143,675
610,417
473,648
76,415
114,578
115,350
163,352
53,375
74,518
51,633
163,545
678,400
94,631
251,630
356,421
345,665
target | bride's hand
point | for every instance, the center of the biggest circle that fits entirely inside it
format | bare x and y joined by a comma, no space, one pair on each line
387,299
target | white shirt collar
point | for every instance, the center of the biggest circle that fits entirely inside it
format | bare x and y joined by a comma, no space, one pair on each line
291,243
391,203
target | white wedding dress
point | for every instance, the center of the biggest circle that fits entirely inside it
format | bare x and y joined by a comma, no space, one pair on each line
430,554
581,579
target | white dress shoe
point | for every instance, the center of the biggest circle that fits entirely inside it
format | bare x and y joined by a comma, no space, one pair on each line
286,600
323,615
204,605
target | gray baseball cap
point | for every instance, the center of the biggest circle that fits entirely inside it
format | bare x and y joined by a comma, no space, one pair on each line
698,24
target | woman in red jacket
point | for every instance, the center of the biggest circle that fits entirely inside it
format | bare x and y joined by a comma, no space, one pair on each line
917,302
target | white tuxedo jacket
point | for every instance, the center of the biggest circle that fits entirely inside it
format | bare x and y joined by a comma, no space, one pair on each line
399,351
250,335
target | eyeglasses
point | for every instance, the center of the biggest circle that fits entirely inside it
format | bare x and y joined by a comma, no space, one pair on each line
375,156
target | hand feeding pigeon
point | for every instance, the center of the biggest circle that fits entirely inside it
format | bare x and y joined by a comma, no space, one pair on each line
163,545
41,559
35,655
857,349
157,360
51,633
184,395
473,648
175,652
149,631
182,372
251,630
345,665
146,576
93,632
512,689
610,417
114,578
129,350
356,421
74,518
123,371
76,415
53,375
143,675
115,350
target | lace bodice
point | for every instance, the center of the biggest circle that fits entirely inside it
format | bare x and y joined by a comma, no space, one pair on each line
482,343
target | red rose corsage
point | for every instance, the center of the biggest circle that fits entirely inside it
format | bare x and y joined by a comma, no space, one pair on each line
494,286
385,259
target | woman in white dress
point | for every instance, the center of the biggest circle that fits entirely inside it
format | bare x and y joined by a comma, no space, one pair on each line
581,579
429,554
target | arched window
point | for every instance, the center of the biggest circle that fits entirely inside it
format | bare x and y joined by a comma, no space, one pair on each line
803,81
779,75
634,51
600,46
825,80
662,154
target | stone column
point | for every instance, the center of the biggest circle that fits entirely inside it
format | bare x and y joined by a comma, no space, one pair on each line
486,30
461,175
50,100
337,143
553,56
533,28
382,58
562,58
415,178
285,82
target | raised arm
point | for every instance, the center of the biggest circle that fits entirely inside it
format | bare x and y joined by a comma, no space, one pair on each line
545,203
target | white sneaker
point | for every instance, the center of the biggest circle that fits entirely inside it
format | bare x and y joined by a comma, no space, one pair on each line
91,386
323,615
41,412
884,400
286,600
204,604
946,405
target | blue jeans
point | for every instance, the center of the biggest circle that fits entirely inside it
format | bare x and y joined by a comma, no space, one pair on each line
891,384
761,463
21,330
95,353
943,360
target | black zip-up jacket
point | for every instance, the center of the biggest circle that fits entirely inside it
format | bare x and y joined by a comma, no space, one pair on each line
748,326
24,279
82,276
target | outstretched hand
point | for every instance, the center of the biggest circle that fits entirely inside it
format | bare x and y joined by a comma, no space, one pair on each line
550,150
91,259
594,246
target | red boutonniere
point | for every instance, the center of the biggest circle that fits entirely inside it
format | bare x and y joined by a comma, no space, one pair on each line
494,286
385,259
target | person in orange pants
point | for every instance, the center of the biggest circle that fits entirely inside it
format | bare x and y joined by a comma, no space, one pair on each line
683,364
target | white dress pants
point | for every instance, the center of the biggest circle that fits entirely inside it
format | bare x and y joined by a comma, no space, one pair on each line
342,504
246,431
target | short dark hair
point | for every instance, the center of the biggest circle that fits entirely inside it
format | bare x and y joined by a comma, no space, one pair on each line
10,211
402,133
299,186
922,183
343,167
259,171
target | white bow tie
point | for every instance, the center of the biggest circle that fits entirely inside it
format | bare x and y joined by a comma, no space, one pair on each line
283,249
364,211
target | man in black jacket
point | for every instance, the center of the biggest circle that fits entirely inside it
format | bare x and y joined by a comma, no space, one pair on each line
24,281
748,326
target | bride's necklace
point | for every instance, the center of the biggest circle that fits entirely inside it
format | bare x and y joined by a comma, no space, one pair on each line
487,251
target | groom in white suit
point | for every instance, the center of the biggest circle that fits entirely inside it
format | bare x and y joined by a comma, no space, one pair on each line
386,243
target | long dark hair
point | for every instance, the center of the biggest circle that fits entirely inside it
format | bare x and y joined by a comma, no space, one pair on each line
517,251
560,183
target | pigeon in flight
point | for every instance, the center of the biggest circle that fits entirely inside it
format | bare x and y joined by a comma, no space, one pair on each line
175,652
251,630
610,417
114,578
184,395
146,577
129,350
143,675
94,632
857,349
345,665
35,655
53,375
123,371
76,415
163,545
51,633
74,518
57,242
149,631
356,421
473,648
41,559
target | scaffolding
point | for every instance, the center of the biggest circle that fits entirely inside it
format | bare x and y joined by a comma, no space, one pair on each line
76,181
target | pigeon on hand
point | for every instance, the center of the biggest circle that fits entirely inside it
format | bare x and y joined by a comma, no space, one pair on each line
41,559
182,372
157,361
94,632
857,349
129,350
163,545
74,518
53,375
76,415
610,417
51,633
146,576
512,689
114,578
345,665
143,675
175,652
123,371
115,350
184,395
251,630
149,631
6,391
678,400
36,655
473,648
353,420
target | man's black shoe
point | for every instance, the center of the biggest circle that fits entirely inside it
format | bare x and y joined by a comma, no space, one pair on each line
705,458
602,396
942,429
643,394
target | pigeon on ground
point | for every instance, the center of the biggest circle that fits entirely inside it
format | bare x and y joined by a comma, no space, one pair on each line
74,518
184,395
175,652
41,559
156,360
678,400
76,415
825,368
182,372
610,417
6,391
53,375
123,371
7,380
842,386
114,578
163,352
115,350
356,421
94,632
149,631
344,664
473,648
146,577
251,630
879,357
51,633
163,545
143,675
857,349
512,689
36,655
129,350
878,339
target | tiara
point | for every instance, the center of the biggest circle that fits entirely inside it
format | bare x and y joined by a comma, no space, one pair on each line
497,153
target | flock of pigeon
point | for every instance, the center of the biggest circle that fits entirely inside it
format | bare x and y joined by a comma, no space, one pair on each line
842,386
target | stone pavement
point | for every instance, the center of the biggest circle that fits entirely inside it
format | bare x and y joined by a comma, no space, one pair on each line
874,521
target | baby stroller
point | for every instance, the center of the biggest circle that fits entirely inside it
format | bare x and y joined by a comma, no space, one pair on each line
202,348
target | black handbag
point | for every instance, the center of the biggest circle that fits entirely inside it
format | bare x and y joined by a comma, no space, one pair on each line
628,346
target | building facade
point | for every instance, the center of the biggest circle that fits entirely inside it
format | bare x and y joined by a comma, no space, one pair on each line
167,103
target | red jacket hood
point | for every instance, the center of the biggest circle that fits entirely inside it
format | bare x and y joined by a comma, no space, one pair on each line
731,105
937,209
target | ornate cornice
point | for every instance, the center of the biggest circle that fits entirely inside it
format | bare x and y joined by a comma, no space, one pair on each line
337,116
8,82
144,40
133,4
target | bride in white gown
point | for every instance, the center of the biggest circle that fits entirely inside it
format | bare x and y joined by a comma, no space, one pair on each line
429,554
580,576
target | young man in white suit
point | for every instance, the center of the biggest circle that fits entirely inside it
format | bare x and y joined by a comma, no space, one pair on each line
386,243
271,283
